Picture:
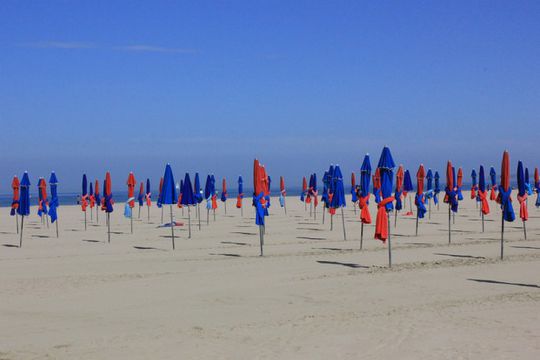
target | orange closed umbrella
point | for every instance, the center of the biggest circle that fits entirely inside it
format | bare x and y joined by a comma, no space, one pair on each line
504,197
283,194
131,182
419,198
260,186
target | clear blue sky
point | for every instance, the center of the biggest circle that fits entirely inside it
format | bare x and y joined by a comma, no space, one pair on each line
208,85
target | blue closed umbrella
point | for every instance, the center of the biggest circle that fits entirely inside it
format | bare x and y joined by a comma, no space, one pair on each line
522,196
482,194
436,188
24,202
528,186
168,195
382,226
338,197
54,203
188,199
197,189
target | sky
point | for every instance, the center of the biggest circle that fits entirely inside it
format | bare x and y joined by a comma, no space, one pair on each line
90,86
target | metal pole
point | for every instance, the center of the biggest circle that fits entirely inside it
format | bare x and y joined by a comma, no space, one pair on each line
416,222
429,209
17,221
502,234
56,227
524,230
449,224
162,214
199,215
84,220
389,245
482,222
261,238
331,222
22,227
172,227
131,221
285,205
109,227
343,223
189,221
361,235
395,218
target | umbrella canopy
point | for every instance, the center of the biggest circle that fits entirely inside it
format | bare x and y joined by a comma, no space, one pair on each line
160,194
503,198
386,167
188,198
429,183
16,186
493,178
437,187
528,186
131,182
107,194
140,197
84,195
338,198
24,200
399,187
96,193
407,182
53,205
324,197
459,183
259,189
197,189
240,195
223,190
451,191
304,189
482,190
363,200
42,197
474,185
282,186
537,186
168,196
148,195
377,185
208,187
419,198
522,193
354,198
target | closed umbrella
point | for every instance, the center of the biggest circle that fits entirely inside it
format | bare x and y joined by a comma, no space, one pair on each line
363,199
260,190
84,197
240,196
537,186
338,197
493,178
159,202
188,199
504,196
108,202
24,202
197,193
528,185
459,184
168,196
474,185
16,186
436,189
398,192
429,190
224,193
148,197
97,196
450,197
522,197
54,203
419,198
377,185
91,200
482,194
130,204
303,194
283,194
43,201
382,224
140,198
354,197
407,188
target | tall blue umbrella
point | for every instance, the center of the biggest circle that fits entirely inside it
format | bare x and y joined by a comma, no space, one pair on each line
363,199
240,196
24,202
169,195
91,198
408,187
522,197
148,197
382,226
528,186
53,204
84,197
429,190
493,178
188,198
324,197
208,193
474,186
436,188
198,196
482,194
338,198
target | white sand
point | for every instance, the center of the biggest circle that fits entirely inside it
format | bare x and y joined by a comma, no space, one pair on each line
313,296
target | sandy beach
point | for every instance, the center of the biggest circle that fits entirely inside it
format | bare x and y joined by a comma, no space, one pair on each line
312,296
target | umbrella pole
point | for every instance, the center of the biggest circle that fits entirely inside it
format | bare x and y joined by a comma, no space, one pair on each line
343,223
91,215
189,221
172,227
214,211
310,209
331,222
148,207
410,203
162,214
22,226
429,209
285,205
85,220
139,216
453,218
389,245
361,235
502,234
109,227
241,209
199,215
482,222
47,218
17,221
449,224
56,227
305,206
131,221
261,237
417,223
315,213
97,215
354,207
395,218
524,229
207,216
225,205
